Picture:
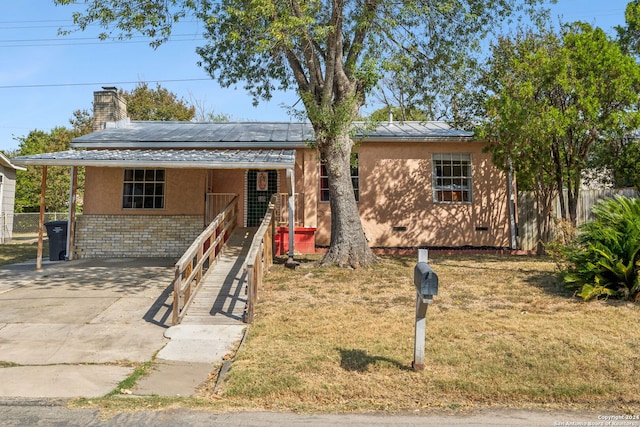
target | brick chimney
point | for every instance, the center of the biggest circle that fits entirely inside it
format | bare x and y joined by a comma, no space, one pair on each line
108,106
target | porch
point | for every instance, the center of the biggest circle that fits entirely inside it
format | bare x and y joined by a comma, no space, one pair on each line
117,224
103,292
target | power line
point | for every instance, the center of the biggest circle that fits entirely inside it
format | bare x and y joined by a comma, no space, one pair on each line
99,83
87,38
77,41
91,43
29,25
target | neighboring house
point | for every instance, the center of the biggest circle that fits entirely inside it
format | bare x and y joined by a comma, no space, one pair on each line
7,197
150,187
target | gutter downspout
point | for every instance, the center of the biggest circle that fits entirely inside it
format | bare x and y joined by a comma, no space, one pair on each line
291,189
512,207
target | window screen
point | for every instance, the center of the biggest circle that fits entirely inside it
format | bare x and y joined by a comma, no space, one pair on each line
452,177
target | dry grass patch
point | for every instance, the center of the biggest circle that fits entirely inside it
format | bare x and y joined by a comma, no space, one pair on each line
501,332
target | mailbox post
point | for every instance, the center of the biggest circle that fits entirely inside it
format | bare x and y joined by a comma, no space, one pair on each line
426,283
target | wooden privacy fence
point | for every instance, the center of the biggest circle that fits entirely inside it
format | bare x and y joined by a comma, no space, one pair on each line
260,257
200,256
527,231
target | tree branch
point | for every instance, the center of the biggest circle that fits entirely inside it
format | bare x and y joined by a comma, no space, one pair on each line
360,34
309,49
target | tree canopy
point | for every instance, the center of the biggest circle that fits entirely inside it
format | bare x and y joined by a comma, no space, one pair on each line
332,53
143,103
28,182
553,97
629,34
160,104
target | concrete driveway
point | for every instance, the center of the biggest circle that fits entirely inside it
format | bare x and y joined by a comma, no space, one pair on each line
76,329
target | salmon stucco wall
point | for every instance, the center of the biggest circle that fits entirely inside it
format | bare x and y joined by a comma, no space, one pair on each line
306,181
396,204
396,199
184,192
231,181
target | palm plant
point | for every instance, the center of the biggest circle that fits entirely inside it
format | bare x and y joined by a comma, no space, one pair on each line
604,259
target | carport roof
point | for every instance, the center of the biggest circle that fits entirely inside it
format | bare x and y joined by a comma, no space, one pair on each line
192,159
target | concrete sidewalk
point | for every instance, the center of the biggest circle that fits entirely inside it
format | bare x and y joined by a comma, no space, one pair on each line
77,329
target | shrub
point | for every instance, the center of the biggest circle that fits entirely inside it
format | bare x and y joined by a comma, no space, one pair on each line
604,258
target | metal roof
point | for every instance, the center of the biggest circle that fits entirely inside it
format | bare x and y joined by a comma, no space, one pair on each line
220,145
192,159
416,131
214,135
217,135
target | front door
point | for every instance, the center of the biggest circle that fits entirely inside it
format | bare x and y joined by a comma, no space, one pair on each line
260,186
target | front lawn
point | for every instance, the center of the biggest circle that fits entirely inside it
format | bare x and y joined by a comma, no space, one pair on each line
501,332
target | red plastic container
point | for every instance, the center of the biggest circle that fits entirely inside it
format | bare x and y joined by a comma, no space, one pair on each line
304,240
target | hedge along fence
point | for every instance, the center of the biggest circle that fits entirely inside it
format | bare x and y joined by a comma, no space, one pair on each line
527,232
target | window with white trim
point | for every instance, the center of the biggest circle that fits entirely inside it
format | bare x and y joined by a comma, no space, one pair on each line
355,180
143,189
452,177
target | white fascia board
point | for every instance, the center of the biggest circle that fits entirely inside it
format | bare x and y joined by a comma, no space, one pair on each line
450,139
4,160
213,145
158,164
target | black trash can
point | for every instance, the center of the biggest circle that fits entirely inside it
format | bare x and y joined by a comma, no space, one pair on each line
57,234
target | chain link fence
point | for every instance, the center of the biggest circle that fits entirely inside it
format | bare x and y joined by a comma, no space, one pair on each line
6,221
27,223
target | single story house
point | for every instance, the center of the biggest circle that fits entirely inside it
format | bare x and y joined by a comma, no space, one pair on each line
7,196
151,187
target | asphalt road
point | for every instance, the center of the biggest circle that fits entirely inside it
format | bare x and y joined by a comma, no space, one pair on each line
25,412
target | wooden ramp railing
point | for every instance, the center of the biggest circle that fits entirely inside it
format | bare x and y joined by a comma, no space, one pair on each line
260,258
201,255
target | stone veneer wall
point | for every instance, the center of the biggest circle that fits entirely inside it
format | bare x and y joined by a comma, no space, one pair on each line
135,236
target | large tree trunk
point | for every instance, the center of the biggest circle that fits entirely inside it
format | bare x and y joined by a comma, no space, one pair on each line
557,161
573,193
545,197
348,247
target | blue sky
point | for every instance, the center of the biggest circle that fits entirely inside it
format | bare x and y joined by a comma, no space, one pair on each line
45,77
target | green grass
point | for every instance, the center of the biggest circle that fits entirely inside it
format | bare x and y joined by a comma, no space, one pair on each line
128,383
12,253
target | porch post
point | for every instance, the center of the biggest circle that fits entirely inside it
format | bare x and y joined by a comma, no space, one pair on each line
71,229
43,188
292,190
